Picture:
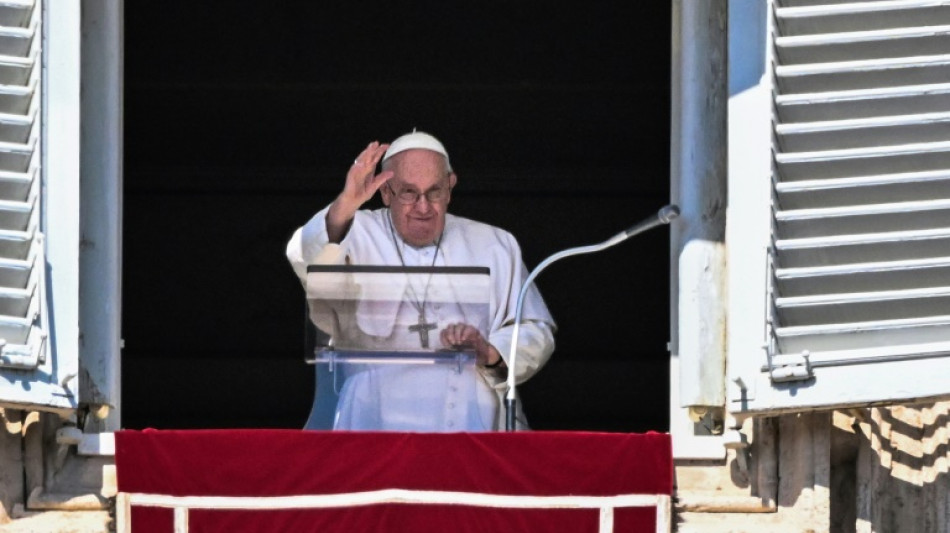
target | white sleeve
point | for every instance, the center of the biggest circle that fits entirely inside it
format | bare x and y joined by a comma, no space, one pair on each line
535,346
311,245
536,333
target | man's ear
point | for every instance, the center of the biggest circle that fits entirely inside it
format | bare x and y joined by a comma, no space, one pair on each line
386,194
452,180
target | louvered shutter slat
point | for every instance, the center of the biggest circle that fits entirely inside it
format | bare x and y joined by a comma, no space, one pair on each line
16,185
862,45
902,336
905,187
867,277
856,219
15,41
854,162
16,13
862,248
855,133
862,103
861,215
837,17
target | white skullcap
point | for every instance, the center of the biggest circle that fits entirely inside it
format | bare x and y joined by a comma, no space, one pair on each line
417,139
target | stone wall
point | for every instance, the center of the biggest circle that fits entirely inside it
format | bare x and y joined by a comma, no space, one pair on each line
901,469
881,469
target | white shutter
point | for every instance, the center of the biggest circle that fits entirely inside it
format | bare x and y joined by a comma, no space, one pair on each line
21,248
28,375
858,267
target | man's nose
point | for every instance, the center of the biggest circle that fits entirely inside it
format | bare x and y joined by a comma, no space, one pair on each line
422,205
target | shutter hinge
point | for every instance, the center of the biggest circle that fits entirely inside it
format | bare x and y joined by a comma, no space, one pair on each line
23,357
782,368
790,368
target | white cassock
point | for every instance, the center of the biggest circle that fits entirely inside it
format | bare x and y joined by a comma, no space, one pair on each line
434,397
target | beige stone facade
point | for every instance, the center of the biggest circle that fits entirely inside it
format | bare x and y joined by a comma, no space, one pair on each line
879,469
45,486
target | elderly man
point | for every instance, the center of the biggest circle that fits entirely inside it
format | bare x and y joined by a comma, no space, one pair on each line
415,229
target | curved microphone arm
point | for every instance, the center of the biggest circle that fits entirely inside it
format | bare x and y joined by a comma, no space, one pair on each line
663,216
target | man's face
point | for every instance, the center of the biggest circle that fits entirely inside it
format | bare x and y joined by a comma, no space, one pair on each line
419,174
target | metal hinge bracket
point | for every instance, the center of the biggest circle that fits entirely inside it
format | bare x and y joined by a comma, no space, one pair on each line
790,368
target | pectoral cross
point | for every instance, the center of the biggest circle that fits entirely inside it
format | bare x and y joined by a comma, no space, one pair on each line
422,328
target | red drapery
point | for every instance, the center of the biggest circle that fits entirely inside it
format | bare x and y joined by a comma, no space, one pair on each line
289,462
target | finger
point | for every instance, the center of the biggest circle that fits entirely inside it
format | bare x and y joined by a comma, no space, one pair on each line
361,171
371,155
457,333
470,336
378,152
362,156
454,338
378,180
454,334
444,337
365,158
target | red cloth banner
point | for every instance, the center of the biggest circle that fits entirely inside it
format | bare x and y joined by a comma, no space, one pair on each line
262,463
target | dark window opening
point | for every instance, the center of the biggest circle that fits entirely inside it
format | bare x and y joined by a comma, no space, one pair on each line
240,124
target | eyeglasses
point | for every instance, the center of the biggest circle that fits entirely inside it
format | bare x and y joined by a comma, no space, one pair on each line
410,197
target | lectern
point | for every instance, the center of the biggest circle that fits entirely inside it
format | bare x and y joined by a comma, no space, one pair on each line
381,327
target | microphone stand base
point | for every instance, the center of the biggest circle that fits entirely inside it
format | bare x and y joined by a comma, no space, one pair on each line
510,410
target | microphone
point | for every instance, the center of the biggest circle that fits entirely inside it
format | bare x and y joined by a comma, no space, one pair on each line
664,216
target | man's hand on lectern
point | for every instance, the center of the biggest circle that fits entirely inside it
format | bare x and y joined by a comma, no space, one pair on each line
465,336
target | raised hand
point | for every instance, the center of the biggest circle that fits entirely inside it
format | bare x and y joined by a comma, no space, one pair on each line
361,184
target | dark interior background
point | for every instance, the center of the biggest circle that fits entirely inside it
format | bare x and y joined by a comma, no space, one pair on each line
241,121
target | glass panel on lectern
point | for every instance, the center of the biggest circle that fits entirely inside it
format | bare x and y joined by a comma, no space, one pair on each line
371,308
369,316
